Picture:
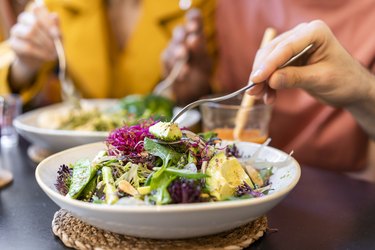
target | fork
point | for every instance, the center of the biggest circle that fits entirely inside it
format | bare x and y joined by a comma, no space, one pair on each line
233,94
171,78
68,91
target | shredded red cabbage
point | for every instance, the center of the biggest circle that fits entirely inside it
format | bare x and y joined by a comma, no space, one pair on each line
232,150
245,189
64,176
128,140
185,191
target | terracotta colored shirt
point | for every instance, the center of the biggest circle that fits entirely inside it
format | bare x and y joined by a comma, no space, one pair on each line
320,135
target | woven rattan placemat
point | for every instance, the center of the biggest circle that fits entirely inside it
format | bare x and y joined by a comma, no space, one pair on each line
77,234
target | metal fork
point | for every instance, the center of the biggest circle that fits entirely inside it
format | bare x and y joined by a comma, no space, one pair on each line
171,78
68,91
177,67
225,97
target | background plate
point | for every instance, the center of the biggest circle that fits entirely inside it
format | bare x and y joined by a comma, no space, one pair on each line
54,140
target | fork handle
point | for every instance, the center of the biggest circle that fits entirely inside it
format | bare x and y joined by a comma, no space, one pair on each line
217,99
171,78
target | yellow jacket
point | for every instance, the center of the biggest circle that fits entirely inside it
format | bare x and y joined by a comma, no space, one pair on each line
87,44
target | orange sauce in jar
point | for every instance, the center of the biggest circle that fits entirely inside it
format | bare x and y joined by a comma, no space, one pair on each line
253,135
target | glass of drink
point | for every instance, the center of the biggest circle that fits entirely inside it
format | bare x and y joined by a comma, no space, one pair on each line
10,108
222,118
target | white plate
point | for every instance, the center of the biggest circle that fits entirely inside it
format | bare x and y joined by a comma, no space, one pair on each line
169,221
29,126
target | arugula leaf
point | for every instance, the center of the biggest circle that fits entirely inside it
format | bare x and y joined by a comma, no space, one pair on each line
159,186
159,183
161,151
209,135
160,170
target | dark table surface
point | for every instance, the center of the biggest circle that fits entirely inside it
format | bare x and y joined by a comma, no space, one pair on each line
326,210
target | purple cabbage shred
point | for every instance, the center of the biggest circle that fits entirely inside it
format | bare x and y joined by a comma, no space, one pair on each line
128,140
245,189
185,191
64,177
232,150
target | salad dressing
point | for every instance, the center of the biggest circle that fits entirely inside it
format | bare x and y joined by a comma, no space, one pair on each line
253,135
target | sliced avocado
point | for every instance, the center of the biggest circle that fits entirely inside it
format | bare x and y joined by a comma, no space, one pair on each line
166,131
254,176
225,175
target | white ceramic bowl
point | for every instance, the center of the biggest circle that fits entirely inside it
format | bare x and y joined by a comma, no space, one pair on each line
169,221
54,140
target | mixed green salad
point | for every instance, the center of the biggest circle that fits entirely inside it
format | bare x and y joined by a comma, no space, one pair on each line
157,163
129,111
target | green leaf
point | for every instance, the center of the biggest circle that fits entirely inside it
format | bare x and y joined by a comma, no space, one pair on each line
161,151
144,106
265,174
133,104
159,187
89,190
184,173
83,171
159,106
209,135
159,183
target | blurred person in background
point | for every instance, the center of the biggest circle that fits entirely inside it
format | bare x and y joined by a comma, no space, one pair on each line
320,135
112,47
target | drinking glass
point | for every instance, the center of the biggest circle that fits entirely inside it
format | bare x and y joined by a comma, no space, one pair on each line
10,108
221,118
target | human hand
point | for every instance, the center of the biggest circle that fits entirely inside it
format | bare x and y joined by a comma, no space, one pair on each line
32,40
329,73
188,42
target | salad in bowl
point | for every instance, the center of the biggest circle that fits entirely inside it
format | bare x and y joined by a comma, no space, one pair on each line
157,180
157,164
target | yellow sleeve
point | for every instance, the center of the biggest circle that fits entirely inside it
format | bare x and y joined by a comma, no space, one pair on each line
208,13
7,57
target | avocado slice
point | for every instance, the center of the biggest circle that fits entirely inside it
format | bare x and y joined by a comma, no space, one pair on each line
225,175
166,131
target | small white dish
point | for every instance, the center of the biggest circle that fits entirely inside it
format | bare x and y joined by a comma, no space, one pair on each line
169,221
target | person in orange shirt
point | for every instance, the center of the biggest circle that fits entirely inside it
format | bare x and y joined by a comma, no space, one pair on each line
329,73
320,135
